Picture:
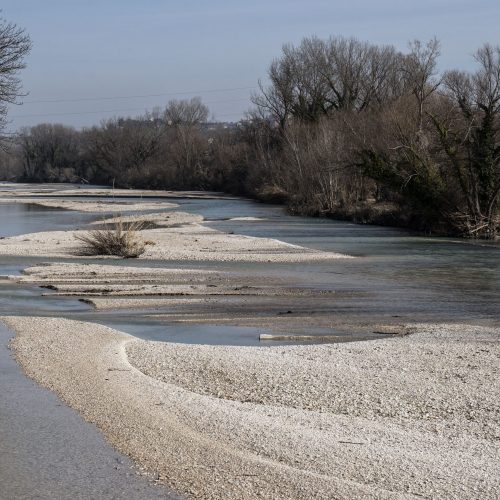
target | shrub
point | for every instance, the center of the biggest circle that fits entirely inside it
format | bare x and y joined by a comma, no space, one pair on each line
121,239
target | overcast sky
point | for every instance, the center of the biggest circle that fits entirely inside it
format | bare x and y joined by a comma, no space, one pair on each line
84,50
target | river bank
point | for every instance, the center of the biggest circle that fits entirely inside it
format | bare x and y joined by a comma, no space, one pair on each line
378,420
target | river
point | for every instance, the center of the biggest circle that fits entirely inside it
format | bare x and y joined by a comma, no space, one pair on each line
396,273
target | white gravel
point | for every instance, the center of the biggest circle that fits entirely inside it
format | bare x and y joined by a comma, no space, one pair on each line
192,242
412,416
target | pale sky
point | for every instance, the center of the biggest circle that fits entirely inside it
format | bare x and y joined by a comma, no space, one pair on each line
140,54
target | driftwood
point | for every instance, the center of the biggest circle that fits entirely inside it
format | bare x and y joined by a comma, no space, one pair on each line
299,338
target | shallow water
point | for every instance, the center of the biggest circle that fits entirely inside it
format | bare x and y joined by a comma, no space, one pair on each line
396,273
47,451
213,334
23,218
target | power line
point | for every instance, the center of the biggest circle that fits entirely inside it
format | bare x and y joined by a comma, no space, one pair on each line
72,113
110,98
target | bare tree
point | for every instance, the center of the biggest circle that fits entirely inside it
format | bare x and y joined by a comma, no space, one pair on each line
50,152
420,70
187,147
15,44
123,149
320,77
186,112
277,99
11,164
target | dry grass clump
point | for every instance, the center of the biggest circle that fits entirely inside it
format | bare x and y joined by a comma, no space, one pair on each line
119,239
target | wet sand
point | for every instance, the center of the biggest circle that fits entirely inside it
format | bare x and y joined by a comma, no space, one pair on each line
385,419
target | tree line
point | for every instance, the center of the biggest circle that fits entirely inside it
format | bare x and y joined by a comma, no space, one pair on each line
342,128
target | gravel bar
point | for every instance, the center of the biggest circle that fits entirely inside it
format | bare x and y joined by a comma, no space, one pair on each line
407,417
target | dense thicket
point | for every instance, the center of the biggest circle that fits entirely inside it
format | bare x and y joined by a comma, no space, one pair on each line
343,128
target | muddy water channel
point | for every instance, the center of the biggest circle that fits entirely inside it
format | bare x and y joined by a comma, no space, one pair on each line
397,277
